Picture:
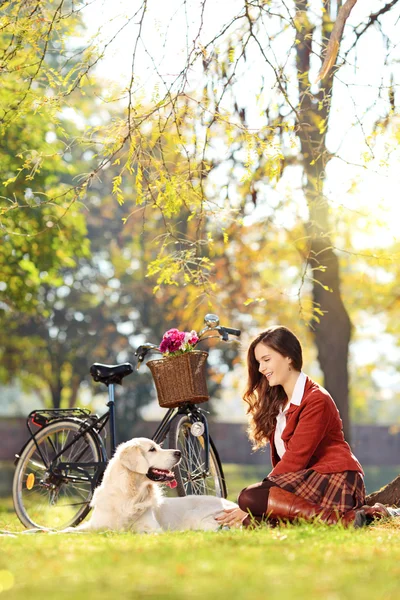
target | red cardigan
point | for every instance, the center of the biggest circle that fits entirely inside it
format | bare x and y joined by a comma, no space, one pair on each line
313,437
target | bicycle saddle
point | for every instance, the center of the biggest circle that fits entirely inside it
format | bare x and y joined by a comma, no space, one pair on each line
110,373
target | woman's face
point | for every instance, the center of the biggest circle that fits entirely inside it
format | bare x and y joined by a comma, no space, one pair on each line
272,365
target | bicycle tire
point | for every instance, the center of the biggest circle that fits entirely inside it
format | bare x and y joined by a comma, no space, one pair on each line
192,463
45,504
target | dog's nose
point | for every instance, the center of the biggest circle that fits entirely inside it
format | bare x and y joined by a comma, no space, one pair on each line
177,453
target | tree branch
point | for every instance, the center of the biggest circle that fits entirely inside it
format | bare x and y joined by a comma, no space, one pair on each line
335,38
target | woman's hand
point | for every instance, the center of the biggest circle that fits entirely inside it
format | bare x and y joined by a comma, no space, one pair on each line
232,517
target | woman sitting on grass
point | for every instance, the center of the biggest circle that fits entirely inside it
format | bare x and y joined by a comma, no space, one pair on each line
315,474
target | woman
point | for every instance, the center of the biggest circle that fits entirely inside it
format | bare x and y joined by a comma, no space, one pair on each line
314,471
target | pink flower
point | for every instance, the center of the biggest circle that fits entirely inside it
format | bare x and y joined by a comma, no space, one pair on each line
178,341
193,339
172,341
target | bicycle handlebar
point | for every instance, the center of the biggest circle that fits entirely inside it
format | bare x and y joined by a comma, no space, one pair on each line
143,350
212,324
231,331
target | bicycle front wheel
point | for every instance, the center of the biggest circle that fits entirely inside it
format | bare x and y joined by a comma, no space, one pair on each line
46,496
190,474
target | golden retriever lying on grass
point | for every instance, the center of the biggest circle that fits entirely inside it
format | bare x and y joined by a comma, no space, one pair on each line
130,499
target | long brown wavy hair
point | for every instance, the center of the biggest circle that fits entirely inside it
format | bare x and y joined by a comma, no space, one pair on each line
264,401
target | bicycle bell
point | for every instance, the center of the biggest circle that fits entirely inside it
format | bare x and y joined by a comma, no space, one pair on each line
211,320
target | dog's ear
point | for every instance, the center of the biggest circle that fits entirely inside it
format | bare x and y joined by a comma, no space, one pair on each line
132,458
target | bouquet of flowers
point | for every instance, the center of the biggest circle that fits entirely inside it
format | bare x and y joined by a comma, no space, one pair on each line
182,379
175,342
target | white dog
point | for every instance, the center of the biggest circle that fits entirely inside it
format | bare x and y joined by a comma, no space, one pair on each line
130,499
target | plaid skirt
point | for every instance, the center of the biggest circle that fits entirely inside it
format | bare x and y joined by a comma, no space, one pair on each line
342,491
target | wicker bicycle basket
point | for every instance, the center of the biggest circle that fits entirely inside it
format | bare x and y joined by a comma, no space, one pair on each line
180,379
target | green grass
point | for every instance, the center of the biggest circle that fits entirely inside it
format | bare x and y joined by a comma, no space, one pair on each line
296,562
304,562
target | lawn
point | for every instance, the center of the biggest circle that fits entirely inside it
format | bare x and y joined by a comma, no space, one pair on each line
296,562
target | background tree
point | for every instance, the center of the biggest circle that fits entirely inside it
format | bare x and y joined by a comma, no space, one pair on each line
42,229
104,307
210,153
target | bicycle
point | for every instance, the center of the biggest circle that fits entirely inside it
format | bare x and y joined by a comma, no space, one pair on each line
63,461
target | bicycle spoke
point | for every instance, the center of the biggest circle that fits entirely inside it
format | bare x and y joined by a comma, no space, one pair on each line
192,467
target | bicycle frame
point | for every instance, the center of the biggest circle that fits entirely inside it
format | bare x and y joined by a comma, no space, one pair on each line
103,420
96,424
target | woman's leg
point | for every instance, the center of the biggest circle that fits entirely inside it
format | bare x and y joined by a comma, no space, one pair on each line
267,501
282,504
254,500
286,506
339,492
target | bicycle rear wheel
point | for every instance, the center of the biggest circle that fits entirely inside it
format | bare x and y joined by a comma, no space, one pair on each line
45,497
190,474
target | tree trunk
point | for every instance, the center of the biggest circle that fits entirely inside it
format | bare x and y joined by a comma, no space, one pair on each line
389,494
56,387
332,330
56,396
75,383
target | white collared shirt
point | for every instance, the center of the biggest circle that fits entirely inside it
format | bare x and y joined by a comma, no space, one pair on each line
297,397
